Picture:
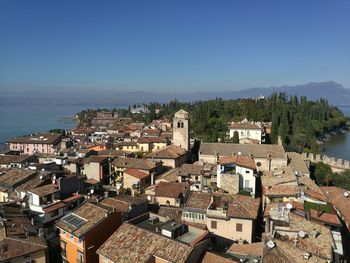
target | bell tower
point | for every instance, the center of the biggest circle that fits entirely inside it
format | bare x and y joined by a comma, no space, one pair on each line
181,129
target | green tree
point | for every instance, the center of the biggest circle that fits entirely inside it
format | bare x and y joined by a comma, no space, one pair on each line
235,138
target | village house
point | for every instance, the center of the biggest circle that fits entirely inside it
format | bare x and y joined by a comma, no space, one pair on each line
120,165
151,144
84,230
237,173
127,146
128,206
298,163
249,252
18,241
170,193
340,199
199,175
98,168
157,241
36,143
104,119
171,156
267,157
136,180
296,237
195,209
248,132
233,217
19,161
11,180
279,186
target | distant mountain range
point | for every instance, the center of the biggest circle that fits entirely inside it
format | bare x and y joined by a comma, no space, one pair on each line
335,93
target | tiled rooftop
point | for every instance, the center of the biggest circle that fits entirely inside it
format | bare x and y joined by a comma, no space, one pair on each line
198,200
170,189
244,161
257,150
16,176
135,163
90,213
170,152
130,243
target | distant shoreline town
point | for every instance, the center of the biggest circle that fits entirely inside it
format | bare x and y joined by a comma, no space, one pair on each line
210,181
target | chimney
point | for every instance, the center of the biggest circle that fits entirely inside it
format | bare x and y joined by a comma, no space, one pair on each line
279,140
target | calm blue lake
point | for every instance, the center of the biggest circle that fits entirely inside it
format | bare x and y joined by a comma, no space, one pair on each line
339,145
19,119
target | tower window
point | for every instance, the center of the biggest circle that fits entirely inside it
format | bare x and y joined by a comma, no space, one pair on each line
180,124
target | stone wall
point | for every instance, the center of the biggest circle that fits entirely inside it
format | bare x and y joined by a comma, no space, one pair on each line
337,163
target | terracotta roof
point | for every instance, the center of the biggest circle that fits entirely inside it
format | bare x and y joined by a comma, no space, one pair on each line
152,140
19,247
130,243
211,257
198,200
91,181
257,150
173,213
255,249
286,252
54,207
238,206
297,162
170,152
244,161
72,198
15,177
43,138
243,207
136,173
90,213
136,163
321,245
280,190
244,125
115,204
170,189
335,195
45,190
8,159
95,159
190,169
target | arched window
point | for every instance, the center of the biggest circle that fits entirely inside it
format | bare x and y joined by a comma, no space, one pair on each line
180,124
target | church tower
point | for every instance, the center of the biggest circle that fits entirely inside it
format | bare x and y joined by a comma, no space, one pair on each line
181,129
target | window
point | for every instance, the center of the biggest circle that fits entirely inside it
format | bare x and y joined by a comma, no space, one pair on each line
80,256
213,224
54,213
239,227
71,237
246,183
63,248
247,171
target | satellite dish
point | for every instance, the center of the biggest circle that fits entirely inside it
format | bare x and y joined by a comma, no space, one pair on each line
346,194
118,187
301,234
289,206
149,198
239,153
270,244
41,177
91,191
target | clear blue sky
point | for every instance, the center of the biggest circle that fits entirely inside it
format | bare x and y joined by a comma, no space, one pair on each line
172,45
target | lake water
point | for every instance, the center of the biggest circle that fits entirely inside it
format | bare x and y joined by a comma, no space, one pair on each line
19,119
339,145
